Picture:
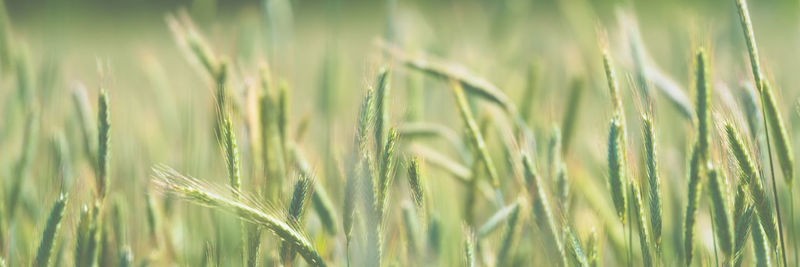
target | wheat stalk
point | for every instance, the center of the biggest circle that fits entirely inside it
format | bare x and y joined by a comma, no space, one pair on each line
50,232
417,185
722,224
641,219
513,225
616,168
758,194
695,189
761,84
469,247
103,141
541,207
571,113
170,181
654,181
475,135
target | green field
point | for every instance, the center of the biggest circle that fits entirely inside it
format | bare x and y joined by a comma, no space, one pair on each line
399,133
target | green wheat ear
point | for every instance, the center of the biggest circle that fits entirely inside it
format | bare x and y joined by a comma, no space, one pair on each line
469,247
170,181
760,245
88,233
695,189
742,215
382,100
303,189
613,87
320,200
722,223
103,135
758,193
576,251
616,168
386,172
416,183
654,181
783,144
703,104
50,232
231,153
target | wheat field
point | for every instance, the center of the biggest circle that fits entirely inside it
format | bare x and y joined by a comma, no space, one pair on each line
399,133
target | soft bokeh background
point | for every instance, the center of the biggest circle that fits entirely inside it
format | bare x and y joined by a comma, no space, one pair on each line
162,103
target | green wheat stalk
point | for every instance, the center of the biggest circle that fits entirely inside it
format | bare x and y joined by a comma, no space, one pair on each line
411,228
761,84
695,189
303,189
475,85
758,193
654,181
570,119
576,251
103,141
476,138
382,98
50,232
562,189
320,200
541,207
365,119
191,189
782,144
495,221
760,245
616,168
722,224
274,162
742,217
88,236
509,239
554,152
703,103
641,219
386,172
417,185
469,247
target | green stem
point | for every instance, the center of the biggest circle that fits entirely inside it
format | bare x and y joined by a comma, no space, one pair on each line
791,214
774,186
630,234
714,230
